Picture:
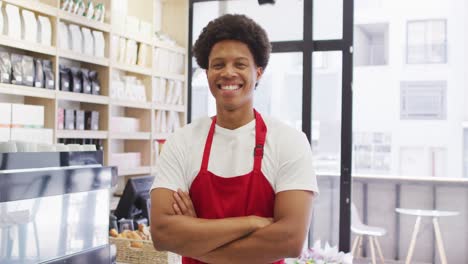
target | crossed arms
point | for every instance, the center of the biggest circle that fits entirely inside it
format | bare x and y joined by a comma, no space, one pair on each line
251,239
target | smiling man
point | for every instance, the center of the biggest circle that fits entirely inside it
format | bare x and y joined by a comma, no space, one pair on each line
237,187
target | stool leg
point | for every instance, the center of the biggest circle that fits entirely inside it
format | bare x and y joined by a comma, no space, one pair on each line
355,243
413,240
360,246
440,243
379,250
371,243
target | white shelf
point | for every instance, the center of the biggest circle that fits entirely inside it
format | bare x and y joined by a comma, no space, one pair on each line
26,91
131,136
135,37
134,171
81,97
37,7
177,108
164,45
83,21
131,104
26,45
83,58
172,76
99,134
132,68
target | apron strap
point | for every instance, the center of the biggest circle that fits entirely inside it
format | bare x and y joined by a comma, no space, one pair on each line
260,136
209,141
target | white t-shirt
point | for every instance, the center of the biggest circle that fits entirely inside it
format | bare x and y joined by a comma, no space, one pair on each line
286,163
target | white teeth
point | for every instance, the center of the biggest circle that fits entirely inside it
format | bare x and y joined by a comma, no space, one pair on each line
230,87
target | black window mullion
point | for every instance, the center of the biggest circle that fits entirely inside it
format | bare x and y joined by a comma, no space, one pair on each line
346,126
307,70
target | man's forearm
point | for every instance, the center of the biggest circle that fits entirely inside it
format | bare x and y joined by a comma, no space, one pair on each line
266,245
194,237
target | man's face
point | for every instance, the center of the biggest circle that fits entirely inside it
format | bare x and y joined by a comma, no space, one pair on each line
232,75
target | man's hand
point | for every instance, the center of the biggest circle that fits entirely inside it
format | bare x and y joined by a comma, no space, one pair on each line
183,204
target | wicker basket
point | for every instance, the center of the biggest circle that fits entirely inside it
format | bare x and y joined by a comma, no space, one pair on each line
133,255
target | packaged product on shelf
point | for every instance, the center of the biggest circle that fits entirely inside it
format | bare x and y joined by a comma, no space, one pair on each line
44,35
92,120
64,4
99,12
64,36
99,45
79,8
88,41
27,63
115,47
178,93
86,81
76,38
95,84
69,119
49,77
89,10
1,21
29,26
5,67
65,78
131,52
70,6
76,80
122,47
170,92
79,120
60,118
142,55
17,69
12,20
39,74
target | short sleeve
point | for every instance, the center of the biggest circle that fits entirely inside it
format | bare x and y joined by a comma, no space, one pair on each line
295,171
170,166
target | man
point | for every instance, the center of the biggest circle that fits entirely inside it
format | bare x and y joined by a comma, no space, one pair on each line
236,188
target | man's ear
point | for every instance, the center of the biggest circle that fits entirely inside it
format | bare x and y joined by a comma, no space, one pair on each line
259,73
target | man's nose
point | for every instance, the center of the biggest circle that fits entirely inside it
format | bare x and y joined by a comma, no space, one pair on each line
228,71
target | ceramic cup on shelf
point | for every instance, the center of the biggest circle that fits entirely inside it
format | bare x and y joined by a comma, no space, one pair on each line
8,147
61,147
74,147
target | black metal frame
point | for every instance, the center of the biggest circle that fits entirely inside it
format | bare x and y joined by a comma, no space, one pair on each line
307,46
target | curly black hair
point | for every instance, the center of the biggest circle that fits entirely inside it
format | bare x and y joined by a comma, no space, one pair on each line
233,27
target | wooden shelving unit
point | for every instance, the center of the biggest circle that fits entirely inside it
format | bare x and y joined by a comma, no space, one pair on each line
174,23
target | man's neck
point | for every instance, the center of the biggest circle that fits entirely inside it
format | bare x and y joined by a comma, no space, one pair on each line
234,119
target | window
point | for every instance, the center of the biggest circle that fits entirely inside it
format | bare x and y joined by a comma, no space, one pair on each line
423,100
426,42
371,44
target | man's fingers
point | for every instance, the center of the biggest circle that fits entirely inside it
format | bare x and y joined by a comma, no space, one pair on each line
176,209
180,203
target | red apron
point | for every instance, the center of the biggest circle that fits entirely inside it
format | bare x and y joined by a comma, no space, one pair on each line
217,197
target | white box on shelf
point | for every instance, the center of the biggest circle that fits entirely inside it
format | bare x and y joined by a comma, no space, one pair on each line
37,135
64,36
44,28
88,41
142,55
12,22
127,160
27,115
132,24
122,49
115,47
29,26
99,44
145,29
124,124
5,116
76,38
5,121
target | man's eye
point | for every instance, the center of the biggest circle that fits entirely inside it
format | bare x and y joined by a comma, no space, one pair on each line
217,66
241,65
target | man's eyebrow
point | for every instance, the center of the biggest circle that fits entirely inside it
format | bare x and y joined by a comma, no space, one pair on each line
237,58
